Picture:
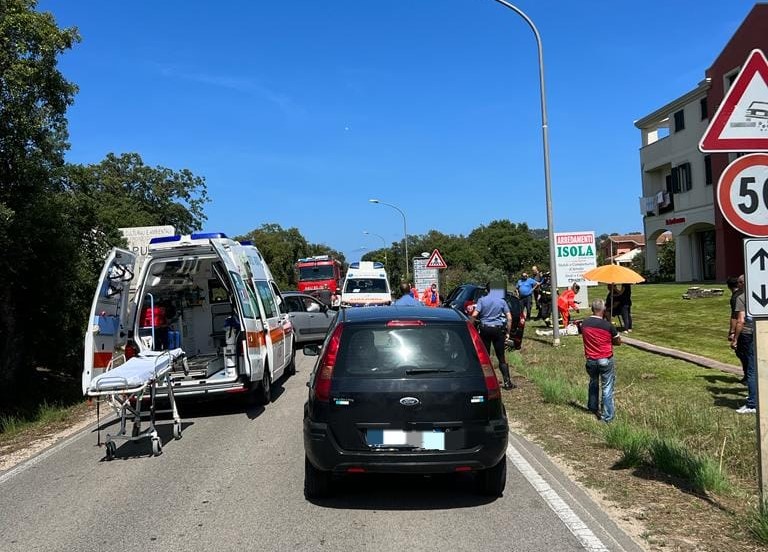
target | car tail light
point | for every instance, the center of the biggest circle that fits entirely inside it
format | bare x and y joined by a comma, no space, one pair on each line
327,362
400,323
491,383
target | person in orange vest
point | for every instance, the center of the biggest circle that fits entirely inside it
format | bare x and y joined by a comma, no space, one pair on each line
430,298
567,301
414,291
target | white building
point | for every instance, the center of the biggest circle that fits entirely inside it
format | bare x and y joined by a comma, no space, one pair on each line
677,185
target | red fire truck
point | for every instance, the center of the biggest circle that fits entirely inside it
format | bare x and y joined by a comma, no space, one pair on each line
320,276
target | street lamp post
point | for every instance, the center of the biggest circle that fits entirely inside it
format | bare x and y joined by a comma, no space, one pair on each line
405,233
547,179
367,233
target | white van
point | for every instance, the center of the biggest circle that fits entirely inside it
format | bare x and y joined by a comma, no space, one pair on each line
366,284
209,295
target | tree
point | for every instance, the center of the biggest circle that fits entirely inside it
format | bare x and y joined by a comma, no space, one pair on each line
35,219
666,256
126,192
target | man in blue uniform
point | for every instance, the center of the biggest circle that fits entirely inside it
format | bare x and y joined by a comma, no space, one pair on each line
495,325
526,287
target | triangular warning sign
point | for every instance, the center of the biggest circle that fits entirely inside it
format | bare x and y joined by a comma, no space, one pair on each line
436,260
741,121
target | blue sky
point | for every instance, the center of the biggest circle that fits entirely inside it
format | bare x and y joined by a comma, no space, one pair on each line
298,112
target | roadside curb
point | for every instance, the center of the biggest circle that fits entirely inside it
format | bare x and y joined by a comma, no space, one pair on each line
680,355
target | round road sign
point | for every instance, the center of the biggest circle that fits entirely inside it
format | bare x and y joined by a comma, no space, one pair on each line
742,194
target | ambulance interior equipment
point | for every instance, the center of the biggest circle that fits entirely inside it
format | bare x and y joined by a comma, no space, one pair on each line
206,318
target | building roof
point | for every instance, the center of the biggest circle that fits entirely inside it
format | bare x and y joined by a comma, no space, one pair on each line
639,238
663,112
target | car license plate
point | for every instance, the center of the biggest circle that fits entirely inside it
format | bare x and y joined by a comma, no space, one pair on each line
429,440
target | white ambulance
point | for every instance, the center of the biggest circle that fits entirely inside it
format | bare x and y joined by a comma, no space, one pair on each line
204,293
366,284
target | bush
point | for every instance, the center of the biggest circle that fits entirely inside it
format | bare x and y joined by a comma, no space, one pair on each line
673,458
632,442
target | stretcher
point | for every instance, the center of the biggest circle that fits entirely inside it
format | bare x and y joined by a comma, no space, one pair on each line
125,386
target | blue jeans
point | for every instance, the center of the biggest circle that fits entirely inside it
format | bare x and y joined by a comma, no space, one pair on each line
745,350
601,369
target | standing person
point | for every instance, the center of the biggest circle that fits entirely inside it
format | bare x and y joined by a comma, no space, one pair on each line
613,302
413,291
525,288
493,313
733,284
406,299
599,337
430,297
625,310
744,344
536,275
567,301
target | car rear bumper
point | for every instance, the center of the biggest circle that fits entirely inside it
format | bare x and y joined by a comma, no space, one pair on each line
325,454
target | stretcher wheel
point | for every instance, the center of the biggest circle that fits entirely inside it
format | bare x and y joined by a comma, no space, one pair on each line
177,430
135,430
111,449
157,447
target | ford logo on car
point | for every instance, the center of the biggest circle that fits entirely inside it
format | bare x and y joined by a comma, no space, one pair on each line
409,401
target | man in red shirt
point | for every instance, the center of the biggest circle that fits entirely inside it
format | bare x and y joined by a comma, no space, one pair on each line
599,338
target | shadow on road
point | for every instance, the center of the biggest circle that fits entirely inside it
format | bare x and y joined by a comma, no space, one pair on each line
404,492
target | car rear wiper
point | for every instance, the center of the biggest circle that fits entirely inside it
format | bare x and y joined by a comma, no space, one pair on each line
412,371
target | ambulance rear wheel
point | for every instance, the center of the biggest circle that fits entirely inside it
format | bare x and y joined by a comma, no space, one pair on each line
264,392
291,368
157,447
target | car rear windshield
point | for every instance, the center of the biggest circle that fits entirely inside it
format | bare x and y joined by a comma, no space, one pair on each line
366,285
431,350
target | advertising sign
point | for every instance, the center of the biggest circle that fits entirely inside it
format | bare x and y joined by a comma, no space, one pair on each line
576,253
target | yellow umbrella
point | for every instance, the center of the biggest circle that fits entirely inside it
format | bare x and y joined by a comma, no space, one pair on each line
613,274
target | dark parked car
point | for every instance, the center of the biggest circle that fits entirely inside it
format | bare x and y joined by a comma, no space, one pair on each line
463,298
310,316
403,390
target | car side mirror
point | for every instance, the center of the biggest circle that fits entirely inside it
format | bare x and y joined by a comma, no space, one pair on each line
311,350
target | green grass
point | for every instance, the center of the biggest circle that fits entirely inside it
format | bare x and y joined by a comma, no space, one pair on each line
661,316
46,414
674,458
758,523
659,401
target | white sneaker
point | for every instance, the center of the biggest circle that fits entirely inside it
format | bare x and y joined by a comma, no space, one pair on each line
746,410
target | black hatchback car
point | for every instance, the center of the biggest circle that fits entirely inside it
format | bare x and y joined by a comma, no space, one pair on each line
463,298
403,390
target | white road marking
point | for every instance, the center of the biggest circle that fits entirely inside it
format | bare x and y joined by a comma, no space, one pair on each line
569,518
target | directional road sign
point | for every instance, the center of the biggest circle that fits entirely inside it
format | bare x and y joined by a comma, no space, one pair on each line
756,276
741,121
742,194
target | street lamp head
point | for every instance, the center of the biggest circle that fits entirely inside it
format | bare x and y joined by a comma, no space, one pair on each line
425,254
373,200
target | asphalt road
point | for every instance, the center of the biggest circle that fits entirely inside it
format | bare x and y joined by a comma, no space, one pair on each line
235,482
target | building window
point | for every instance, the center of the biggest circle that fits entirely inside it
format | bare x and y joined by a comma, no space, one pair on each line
707,170
681,178
679,120
703,107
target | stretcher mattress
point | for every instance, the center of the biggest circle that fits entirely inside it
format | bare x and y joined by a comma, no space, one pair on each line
136,371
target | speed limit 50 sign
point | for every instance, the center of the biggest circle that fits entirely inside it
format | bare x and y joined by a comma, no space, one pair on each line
742,194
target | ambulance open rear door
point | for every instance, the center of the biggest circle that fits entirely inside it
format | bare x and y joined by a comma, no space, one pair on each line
108,325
